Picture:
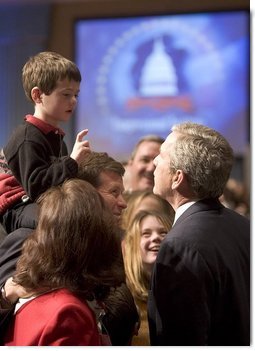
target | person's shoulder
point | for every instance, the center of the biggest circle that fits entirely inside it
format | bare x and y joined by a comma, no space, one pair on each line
237,216
61,300
22,132
65,296
19,130
186,235
56,296
60,311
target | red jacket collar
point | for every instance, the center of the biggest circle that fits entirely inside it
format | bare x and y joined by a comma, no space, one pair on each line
43,126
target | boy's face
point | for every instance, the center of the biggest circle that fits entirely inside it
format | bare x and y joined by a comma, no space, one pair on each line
60,104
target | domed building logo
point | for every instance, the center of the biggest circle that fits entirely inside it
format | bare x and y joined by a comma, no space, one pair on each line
147,76
158,77
150,73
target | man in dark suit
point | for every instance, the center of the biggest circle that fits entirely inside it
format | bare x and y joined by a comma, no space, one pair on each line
200,290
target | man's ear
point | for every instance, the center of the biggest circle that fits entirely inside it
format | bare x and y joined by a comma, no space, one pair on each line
177,179
36,95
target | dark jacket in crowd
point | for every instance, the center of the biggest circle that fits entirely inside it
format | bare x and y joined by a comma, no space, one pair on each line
200,292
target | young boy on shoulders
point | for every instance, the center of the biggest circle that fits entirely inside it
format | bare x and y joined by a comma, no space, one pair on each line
36,156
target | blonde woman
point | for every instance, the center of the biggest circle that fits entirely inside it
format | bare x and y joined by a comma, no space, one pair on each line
141,244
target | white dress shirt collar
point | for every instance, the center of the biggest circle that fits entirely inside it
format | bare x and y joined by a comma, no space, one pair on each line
180,210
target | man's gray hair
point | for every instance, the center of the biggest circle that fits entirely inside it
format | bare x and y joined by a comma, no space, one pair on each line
205,157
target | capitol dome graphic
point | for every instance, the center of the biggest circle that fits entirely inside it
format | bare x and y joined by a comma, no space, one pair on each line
158,76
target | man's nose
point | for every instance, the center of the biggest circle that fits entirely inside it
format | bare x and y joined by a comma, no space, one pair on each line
122,203
150,166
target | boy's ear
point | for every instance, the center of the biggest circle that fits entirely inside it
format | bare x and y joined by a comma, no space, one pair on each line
36,95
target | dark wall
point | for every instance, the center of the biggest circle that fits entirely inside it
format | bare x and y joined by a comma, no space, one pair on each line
24,31
65,14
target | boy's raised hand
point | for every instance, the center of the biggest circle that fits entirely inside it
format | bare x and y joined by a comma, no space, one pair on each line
81,147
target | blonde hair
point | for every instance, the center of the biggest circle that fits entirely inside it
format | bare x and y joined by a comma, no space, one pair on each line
135,199
136,277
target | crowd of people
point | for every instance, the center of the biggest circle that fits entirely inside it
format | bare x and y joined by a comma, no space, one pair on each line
94,251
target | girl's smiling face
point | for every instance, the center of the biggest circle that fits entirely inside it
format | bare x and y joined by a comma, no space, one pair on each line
152,234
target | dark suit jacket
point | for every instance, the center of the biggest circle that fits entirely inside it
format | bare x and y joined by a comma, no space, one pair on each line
200,290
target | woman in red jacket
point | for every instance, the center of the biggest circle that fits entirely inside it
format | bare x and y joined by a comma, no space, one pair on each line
73,256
